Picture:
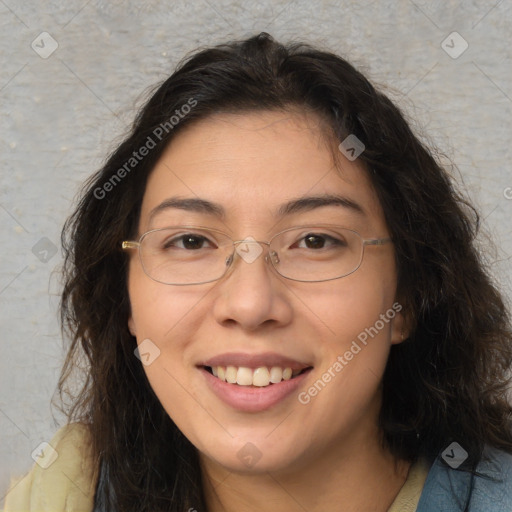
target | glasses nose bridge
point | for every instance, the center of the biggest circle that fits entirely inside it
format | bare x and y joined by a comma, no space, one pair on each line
241,247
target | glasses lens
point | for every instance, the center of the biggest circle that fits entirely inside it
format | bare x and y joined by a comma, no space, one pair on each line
185,255
316,253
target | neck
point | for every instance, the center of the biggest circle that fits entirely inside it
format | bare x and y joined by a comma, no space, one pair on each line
355,476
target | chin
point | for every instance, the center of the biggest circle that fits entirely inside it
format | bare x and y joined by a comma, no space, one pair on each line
256,456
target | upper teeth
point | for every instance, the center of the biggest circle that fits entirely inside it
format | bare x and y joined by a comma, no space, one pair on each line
260,377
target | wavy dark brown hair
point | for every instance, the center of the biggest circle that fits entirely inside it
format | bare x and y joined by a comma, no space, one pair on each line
447,381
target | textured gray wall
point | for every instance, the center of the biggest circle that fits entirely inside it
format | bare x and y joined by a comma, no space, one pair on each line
62,111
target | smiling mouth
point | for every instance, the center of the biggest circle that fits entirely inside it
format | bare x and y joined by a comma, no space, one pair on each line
257,377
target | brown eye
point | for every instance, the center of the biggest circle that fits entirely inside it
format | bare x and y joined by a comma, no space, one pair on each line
319,241
193,242
314,241
188,241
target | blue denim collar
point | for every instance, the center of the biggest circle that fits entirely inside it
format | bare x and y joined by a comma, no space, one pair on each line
454,490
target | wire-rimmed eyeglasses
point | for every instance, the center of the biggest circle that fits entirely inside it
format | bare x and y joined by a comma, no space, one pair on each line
187,255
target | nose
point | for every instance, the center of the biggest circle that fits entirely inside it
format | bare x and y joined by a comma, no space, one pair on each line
251,294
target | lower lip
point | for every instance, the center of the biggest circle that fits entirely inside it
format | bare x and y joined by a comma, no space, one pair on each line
252,398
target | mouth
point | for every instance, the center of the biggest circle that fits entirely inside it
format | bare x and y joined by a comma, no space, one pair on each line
254,383
260,377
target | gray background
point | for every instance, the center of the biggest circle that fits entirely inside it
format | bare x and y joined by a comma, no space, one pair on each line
60,116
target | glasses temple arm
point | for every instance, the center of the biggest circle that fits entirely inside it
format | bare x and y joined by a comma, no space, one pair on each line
128,244
377,241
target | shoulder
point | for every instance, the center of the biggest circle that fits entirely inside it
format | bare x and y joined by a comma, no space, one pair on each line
63,477
447,489
494,486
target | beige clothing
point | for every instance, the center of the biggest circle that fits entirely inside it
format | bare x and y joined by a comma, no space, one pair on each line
409,496
67,485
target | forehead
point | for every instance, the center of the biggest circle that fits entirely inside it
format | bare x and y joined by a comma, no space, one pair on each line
253,163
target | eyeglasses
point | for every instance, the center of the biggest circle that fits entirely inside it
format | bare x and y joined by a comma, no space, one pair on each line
187,255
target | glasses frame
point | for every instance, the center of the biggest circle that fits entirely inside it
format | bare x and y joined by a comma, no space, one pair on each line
136,244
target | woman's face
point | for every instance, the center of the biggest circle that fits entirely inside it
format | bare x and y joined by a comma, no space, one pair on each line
266,172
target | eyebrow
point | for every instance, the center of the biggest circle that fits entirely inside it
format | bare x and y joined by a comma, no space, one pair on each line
192,204
300,205
308,203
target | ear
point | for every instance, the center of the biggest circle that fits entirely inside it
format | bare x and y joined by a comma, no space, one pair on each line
131,326
400,328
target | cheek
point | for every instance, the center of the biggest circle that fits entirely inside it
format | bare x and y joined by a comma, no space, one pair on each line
161,319
158,310
355,317
170,318
166,321
349,307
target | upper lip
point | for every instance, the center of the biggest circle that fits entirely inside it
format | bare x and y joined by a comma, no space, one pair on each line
267,359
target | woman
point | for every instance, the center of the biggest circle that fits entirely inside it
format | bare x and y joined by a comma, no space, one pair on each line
276,288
